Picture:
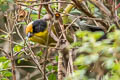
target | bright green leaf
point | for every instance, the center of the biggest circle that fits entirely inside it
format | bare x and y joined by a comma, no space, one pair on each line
17,48
3,59
7,74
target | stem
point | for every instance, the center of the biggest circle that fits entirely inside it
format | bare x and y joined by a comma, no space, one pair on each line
60,75
12,58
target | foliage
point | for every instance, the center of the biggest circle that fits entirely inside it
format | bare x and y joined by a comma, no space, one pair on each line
4,68
103,54
4,4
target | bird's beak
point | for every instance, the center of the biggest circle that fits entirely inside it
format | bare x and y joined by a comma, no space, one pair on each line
30,34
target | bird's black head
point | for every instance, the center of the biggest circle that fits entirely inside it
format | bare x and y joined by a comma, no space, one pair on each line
39,26
36,27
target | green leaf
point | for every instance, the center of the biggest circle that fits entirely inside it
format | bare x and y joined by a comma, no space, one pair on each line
119,15
56,58
7,74
97,35
17,48
52,76
82,67
114,77
4,79
34,16
6,64
3,36
55,68
91,7
116,67
50,67
75,44
3,59
81,34
22,59
24,23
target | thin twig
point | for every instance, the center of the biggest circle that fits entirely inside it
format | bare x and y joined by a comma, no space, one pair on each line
5,52
65,2
26,67
39,11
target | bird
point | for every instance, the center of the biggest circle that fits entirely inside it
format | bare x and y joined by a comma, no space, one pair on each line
37,31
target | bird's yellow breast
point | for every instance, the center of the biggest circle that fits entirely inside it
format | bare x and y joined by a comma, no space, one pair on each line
40,37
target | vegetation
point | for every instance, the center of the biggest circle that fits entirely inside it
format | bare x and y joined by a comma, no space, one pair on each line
78,53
